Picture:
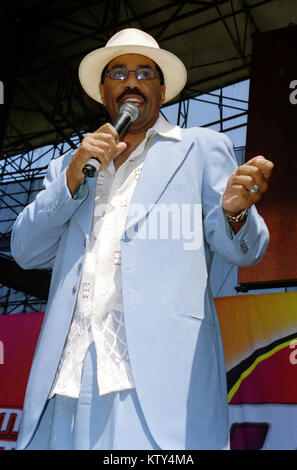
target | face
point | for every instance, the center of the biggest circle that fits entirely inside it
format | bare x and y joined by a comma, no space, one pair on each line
148,95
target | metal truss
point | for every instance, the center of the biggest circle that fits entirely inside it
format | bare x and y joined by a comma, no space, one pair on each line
46,78
63,108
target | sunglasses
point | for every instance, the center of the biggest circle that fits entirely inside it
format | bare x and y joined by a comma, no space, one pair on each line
122,73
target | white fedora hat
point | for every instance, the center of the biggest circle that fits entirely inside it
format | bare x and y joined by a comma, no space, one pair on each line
132,41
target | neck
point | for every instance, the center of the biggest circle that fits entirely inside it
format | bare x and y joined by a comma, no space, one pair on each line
132,138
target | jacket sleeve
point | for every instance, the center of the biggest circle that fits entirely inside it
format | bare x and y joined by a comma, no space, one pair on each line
39,227
248,246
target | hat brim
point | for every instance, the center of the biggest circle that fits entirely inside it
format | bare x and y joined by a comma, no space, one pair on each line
92,65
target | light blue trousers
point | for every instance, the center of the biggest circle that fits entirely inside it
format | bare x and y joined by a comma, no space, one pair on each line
109,422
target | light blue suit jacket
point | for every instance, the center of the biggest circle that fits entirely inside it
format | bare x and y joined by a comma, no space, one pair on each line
172,329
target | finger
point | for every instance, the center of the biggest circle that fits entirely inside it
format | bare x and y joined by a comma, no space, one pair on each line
93,151
108,129
253,172
107,137
248,181
243,194
107,146
120,148
266,166
103,140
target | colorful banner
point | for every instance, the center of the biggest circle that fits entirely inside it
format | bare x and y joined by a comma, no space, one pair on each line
260,342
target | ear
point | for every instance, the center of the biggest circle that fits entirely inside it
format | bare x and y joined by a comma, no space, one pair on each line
101,89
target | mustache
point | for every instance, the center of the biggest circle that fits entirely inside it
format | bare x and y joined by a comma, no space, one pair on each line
131,91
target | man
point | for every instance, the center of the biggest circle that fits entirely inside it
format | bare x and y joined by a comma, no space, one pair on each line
130,353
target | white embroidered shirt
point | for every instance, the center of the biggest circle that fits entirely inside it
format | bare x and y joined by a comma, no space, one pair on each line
98,314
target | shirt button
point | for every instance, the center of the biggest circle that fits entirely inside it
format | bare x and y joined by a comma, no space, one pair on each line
73,290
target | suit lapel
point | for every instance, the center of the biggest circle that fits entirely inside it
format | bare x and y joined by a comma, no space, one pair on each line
83,216
162,161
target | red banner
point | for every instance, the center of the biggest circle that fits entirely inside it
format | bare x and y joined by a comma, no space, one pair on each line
18,337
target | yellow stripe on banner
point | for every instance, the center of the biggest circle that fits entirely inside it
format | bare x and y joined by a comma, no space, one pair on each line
259,359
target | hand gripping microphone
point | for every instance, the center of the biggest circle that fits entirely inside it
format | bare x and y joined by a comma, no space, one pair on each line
129,112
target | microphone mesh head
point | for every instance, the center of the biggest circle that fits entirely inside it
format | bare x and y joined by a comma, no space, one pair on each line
131,109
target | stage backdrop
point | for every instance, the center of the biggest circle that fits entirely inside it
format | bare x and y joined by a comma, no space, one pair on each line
260,341
271,131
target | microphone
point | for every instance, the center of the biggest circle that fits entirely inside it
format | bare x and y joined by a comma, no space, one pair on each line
129,112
